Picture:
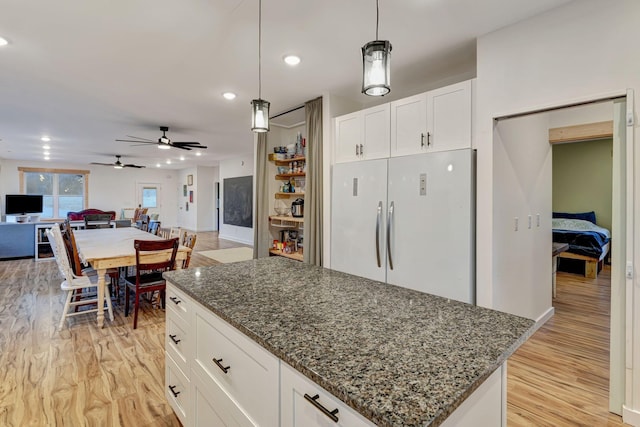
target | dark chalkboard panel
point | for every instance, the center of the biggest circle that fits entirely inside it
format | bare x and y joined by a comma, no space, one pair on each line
238,201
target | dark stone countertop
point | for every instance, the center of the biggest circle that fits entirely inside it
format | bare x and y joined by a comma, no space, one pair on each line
397,356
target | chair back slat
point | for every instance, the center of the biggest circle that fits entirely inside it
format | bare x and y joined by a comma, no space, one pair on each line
60,254
166,251
190,242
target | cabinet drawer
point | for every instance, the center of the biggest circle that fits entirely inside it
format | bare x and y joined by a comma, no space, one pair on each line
298,411
178,302
177,340
252,373
214,407
177,390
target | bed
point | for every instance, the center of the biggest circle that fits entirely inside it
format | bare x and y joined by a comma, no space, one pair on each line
587,241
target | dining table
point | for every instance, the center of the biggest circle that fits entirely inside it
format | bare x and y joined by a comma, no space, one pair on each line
105,248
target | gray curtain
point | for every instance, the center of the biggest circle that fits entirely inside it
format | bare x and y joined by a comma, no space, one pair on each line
313,192
261,235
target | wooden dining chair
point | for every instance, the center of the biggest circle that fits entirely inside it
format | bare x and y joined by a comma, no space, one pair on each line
143,222
92,221
153,257
75,285
190,242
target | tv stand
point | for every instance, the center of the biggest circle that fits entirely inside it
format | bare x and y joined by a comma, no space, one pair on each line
23,218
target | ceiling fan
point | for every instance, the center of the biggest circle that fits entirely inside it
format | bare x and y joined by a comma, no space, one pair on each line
118,164
164,142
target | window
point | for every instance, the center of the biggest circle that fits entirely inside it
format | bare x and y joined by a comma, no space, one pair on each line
63,190
149,197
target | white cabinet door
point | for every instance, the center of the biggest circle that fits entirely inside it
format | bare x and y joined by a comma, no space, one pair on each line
409,125
377,122
349,130
298,410
486,406
449,117
358,200
432,224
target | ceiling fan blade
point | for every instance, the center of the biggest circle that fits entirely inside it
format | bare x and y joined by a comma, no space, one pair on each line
102,164
141,142
143,139
133,166
185,142
190,145
182,147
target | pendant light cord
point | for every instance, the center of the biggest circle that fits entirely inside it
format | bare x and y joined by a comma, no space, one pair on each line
377,17
260,49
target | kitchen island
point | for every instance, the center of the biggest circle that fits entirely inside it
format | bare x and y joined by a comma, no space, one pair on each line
393,356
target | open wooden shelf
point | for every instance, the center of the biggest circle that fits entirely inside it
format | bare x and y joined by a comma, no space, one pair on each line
272,157
296,255
289,175
286,221
281,195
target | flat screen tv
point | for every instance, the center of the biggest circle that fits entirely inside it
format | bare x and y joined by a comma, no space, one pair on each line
20,204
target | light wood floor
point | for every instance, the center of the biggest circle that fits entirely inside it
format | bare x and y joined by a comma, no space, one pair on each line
85,376
560,376
81,375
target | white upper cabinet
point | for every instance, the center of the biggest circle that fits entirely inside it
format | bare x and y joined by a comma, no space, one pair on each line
363,135
409,125
438,120
376,132
349,137
449,117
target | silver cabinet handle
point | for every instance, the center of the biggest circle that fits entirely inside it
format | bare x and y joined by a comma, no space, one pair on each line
422,140
378,233
389,221
361,150
428,139
357,150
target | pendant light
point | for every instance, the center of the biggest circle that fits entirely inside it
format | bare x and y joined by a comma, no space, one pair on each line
376,64
260,107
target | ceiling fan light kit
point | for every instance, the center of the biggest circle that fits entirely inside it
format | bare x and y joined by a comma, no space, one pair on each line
260,107
376,64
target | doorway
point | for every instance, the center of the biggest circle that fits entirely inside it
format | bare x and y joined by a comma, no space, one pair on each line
522,213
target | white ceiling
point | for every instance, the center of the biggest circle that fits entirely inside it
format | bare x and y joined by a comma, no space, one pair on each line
89,72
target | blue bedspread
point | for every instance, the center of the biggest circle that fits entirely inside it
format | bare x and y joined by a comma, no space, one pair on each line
583,237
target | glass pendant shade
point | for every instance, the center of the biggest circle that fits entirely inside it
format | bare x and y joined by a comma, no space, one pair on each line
260,115
376,68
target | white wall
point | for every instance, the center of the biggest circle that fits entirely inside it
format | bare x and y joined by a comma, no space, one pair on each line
239,166
186,218
204,198
522,185
109,188
578,52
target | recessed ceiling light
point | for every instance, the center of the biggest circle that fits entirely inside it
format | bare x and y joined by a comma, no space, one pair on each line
45,138
229,95
291,60
182,158
46,157
157,165
198,153
3,41
168,161
46,147
46,153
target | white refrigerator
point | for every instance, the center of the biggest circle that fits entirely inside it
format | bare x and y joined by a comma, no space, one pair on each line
408,221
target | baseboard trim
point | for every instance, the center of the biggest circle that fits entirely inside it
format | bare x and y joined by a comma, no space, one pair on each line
235,239
631,416
544,317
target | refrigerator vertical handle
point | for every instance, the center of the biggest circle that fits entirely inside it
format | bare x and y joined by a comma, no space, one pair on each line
389,221
378,233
